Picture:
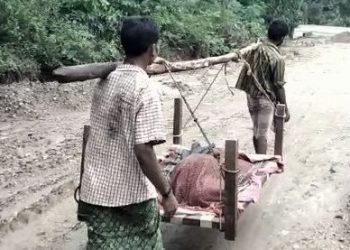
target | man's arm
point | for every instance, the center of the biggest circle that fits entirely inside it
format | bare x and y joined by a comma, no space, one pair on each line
149,132
147,158
281,98
279,86
246,52
281,95
160,60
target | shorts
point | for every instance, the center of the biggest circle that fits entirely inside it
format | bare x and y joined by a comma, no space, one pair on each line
261,111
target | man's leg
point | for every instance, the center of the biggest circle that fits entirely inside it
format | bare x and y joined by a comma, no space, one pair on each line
253,111
264,121
255,143
261,143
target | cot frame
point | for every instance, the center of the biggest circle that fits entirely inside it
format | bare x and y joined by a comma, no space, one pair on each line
229,222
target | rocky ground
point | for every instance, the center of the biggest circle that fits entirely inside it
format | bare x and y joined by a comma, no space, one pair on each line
307,207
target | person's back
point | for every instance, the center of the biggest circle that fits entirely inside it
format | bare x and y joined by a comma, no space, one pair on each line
262,78
266,65
115,105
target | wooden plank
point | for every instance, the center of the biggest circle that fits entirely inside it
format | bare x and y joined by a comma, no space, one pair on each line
86,135
199,219
279,129
230,191
177,126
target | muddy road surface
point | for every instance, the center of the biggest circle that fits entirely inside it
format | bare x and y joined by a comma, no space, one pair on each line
307,207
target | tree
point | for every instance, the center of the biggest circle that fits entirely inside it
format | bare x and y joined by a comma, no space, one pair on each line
290,11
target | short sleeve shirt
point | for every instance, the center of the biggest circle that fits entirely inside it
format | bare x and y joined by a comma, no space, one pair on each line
267,64
125,111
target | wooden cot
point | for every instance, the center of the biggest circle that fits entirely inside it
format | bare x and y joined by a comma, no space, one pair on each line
227,224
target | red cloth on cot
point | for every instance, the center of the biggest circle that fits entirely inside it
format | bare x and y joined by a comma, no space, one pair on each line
196,182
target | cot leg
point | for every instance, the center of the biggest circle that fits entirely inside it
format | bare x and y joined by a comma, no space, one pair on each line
177,125
230,190
279,127
86,135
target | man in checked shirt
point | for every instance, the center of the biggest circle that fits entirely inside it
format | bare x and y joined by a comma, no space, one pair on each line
121,174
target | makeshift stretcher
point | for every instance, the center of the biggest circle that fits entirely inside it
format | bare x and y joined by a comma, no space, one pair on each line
228,222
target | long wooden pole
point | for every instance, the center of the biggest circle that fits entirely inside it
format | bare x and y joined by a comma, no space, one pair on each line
230,191
90,71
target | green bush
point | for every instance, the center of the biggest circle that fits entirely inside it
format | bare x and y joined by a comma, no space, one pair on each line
328,12
39,35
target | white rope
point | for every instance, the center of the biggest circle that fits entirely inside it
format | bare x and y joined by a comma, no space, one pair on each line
210,147
205,94
178,136
227,83
230,171
222,167
220,214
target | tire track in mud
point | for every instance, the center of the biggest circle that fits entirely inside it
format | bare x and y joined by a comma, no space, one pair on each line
39,162
37,208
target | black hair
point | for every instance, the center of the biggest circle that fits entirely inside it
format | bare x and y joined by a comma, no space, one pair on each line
278,30
138,34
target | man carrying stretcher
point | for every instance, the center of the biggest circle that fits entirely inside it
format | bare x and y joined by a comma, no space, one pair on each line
262,78
118,198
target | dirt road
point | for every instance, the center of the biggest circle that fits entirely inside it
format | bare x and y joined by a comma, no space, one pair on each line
307,207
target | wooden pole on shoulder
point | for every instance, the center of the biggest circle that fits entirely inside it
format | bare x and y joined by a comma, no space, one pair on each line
230,191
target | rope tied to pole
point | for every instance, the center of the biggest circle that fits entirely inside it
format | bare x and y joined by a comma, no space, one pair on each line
205,94
195,119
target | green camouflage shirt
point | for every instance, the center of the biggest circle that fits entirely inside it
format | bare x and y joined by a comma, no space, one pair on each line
267,64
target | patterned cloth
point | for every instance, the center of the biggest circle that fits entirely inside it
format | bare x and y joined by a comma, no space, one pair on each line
197,182
125,111
267,64
133,227
177,153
